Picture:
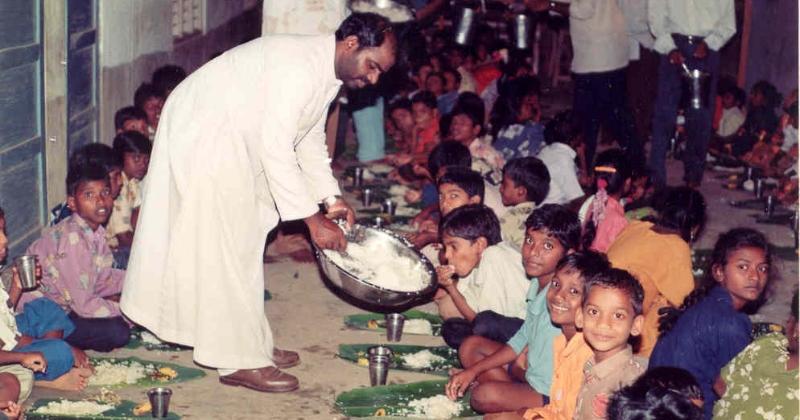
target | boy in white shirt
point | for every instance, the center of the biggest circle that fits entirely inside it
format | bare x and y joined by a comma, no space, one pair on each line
482,276
732,115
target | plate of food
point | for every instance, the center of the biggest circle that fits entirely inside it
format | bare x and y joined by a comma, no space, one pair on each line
140,337
436,360
417,322
119,372
89,409
419,399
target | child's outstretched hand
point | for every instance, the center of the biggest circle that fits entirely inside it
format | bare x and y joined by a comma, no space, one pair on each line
34,361
444,275
459,383
11,409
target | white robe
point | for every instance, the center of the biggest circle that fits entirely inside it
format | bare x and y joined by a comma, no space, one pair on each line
240,145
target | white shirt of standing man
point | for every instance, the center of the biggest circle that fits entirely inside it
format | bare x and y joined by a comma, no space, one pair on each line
713,20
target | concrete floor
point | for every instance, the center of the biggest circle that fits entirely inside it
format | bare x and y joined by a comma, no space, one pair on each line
307,317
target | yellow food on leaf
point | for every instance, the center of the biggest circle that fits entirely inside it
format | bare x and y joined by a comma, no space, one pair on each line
168,372
381,412
372,324
363,361
142,409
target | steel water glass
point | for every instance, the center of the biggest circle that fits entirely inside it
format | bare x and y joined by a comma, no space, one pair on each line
394,326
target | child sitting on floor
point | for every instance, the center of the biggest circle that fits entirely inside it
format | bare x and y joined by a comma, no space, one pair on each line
560,158
149,99
133,150
130,118
710,328
39,329
611,314
400,115
524,186
426,125
553,231
570,351
663,393
482,277
605,215
76,263
762,381
466,127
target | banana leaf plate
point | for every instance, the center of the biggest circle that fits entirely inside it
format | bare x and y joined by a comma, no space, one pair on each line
137,340
392,400
357,353
123,411
155,377
376,322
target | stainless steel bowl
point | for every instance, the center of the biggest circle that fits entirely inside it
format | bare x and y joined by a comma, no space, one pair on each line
370,293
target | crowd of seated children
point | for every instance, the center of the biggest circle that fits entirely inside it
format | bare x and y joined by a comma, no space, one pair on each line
760,121
570,349
752,382
515,120
517,373
561,138
657,254
602,214
710,328
663,393
150,100
482,276
133,150
76,261
524,186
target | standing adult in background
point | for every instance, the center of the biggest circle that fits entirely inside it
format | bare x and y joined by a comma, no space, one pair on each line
242,145
689,32
601,50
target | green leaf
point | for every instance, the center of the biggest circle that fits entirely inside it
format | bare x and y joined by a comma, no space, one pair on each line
123,411
362,321
354,352
392,399
184,373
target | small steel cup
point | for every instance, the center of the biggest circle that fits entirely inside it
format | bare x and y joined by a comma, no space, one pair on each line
749,173
366,197
358,176
769,206
759,188
26,266
379,359
159,401
394,326
378,222
389,207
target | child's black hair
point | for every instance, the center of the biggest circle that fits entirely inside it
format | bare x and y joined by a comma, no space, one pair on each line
402,103
469,113
617,279
661,393
167,77
529,173
126,114
771,95
448,153
465,178
727,243
561,129
588,263
425,97
791,110
506,110
682,209
611,170
131,142
95,154
81,174
471,103
144,92
455,73
471,222
559,222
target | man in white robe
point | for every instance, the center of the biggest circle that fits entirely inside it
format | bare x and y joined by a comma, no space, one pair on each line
241,145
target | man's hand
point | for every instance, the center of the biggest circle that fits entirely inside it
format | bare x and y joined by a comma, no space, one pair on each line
701,51
459,383
341,210
675,57
34,361
325,233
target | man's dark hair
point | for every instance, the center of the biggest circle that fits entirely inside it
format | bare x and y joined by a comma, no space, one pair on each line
131,142
465,178
472,222
126,114
97,154
369,28
425,97
559,222
529,173
617,279
80,174
167,77
448,153
144,92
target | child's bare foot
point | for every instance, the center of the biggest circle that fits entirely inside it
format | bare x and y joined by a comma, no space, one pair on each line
74,380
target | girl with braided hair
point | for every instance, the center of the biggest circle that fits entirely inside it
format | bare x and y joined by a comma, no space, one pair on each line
710,328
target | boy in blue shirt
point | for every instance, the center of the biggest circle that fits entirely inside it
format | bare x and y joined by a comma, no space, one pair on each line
517,374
